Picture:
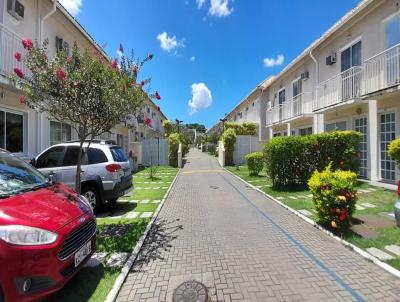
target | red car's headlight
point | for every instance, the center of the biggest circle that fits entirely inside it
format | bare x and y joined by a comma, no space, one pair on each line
25,235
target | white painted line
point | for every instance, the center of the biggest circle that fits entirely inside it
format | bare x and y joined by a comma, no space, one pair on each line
127,267
359,207
358,250
367,205
379,254
146,215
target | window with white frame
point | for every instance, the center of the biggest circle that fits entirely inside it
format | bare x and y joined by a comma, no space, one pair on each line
305,131
336,126
392,31
282,96
59,132
351,56
11,131
296,84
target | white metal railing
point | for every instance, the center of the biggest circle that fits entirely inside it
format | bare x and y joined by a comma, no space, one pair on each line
382,70
10,43
340,88
296,106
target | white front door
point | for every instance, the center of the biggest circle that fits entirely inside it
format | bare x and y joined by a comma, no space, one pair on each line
361,125
387,130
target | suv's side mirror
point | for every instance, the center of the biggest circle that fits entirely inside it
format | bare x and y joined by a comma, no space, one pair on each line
33,162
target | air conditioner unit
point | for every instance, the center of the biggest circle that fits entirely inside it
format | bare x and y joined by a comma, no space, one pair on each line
15,9
330,60
305,75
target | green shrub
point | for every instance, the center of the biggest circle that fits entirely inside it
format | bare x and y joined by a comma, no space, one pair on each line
242,128
394,150
334,197
291,160
255,162
229,140
174,141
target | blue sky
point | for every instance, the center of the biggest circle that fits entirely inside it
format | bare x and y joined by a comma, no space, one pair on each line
209,52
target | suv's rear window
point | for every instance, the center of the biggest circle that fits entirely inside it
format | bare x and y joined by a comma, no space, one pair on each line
96,156
118,154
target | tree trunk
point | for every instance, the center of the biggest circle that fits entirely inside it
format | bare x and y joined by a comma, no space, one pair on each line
78,167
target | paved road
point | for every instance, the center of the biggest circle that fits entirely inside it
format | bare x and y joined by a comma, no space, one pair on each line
245,247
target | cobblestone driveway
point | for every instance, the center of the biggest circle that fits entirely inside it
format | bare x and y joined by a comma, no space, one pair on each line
245,247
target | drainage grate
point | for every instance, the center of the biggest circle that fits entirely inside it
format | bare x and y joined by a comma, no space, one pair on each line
190,291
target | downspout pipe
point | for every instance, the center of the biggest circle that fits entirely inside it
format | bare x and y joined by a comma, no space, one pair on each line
316,74
40,41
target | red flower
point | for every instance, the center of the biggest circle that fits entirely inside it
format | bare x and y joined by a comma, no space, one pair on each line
150,56
60,74
341,162
19,72
114,64
18,56
157,95
343,215
158,108
147,121
28,44
22,99
142,83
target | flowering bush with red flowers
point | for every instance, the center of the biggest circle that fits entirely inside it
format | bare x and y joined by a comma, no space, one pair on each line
19,72
18,56
28,44
61,74
291,160
147,121
334,197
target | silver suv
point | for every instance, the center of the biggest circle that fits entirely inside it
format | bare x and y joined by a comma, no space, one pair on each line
106,173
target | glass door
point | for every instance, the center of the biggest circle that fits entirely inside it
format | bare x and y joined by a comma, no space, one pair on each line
361,125
387,134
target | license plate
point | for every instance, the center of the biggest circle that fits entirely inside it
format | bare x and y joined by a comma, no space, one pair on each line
83,253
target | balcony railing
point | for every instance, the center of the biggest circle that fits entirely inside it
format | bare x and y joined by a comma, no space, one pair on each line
10,43
298,105
382,70
340,88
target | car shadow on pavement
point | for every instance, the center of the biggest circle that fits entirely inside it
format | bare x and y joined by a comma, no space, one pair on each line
158,242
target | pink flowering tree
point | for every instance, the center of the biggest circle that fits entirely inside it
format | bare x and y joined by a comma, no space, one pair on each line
85,90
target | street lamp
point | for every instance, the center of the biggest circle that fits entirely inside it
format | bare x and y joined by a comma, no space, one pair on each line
223,120
178,122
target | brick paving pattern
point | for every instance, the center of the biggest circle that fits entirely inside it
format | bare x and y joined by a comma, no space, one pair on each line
244,247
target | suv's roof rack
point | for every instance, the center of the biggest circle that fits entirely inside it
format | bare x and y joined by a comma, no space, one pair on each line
97,141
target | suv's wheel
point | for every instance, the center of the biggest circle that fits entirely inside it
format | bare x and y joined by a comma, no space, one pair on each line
92,196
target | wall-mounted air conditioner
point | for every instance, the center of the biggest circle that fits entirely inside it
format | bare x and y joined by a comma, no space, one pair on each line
15,9
305,75
330,60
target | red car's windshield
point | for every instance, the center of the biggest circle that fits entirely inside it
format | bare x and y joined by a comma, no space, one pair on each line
16,176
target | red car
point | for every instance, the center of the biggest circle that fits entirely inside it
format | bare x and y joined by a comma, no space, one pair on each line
47,232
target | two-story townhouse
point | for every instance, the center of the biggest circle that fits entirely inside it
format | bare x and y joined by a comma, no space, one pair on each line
351,73
155,128
25,131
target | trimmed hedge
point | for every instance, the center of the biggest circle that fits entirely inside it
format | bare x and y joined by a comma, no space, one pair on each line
291,160
174,141
334,197
242,128
229,140
255,162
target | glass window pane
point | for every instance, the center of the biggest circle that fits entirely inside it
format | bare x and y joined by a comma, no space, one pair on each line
2,129
356,54
96,156
66,132
52,158
71,156
392,31
55,133
345,59
14,132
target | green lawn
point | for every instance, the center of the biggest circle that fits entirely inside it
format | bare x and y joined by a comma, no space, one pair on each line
381,198
117,235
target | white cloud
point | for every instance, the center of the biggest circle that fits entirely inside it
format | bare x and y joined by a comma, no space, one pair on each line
200,3
192,59
271,62
219,8
73,6
169,43
201,98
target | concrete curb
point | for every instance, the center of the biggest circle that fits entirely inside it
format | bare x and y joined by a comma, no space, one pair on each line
359,251
132,258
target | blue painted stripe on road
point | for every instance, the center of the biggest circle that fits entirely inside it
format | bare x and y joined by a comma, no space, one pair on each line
301,247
